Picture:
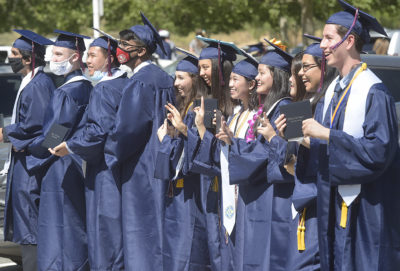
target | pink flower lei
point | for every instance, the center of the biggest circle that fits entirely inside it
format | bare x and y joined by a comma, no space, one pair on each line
250,136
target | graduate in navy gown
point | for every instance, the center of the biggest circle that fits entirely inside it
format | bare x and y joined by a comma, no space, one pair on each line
358,163
132,146
214,153
303,252
23,186
103,192
185,233
215,73
264,200
62,241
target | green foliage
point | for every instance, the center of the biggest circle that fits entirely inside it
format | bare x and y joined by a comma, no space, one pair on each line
178,16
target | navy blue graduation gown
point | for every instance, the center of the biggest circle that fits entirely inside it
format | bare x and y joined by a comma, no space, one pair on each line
102,190
185,234
23,186
371,238
264,202
199,157
303,197
62,241
132,145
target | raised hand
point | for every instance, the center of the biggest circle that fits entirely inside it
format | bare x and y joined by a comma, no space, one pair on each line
176,118
224,134
199,120
280,124
266,129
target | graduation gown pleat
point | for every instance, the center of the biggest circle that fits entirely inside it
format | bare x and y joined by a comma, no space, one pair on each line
62,240
102,189
132,146
23,186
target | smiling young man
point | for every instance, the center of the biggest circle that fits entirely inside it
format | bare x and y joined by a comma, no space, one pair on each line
23,186
132,146
358,174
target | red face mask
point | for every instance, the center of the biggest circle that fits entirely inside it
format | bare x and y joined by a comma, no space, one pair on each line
124,56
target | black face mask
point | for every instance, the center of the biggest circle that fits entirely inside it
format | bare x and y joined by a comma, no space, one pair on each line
16,64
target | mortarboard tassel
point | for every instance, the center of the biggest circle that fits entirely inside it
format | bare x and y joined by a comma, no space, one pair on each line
301,228
321,81
170,192
179,183
343,215
79,55
33,59
214,185
109,58
348,32
221,78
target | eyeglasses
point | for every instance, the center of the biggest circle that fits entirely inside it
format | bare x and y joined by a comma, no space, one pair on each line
308,67
125,44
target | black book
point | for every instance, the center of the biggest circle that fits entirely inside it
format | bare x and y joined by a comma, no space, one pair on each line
295,113
55,136
210,105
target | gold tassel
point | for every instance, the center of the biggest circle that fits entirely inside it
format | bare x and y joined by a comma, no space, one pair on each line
215,184
343,216
171,189
301,244
179,183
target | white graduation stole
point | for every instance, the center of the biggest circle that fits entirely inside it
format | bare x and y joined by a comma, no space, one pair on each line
353,119
228,191
25,81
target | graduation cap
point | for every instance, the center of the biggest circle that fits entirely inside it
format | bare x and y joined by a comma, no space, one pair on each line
148,35
72,41
219,49
247,67
107,42
317,39
30,41
277,58
356,20
189,63
256,48
314,49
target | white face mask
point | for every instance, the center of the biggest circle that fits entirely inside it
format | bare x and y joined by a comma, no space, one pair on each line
97,75
62,67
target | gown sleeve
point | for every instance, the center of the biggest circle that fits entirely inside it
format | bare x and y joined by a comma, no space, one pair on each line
31,114
88,143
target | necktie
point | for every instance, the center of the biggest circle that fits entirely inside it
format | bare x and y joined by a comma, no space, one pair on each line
336,95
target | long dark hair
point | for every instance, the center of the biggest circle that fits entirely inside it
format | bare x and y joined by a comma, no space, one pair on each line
222,93
330,74
280,87
253,97
199,88
301,92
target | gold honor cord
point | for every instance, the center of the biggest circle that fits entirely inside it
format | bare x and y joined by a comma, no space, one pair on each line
301,231
343,215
